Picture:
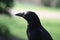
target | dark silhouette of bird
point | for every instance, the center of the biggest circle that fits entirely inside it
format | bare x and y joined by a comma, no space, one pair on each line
35,30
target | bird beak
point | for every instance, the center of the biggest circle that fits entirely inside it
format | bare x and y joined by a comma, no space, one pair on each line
20,14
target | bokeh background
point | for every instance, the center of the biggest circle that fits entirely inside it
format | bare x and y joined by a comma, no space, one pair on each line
48,12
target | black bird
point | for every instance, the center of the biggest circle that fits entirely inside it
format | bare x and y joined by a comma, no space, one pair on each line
35,30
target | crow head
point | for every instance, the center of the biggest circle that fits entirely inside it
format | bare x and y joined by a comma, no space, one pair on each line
30,16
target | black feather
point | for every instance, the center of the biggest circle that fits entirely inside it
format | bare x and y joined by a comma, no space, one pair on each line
35,30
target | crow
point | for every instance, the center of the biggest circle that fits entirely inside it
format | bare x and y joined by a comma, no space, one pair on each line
35,30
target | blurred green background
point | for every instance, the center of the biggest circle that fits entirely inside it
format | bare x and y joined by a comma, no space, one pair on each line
18,25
